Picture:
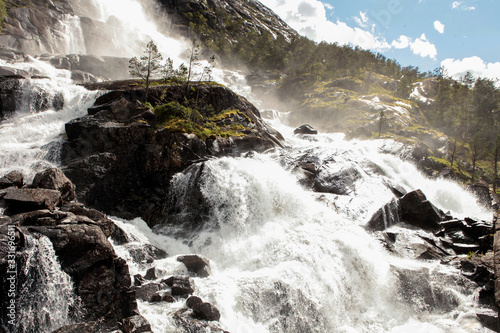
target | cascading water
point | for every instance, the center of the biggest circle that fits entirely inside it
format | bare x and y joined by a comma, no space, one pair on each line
284,261
44,106
45,298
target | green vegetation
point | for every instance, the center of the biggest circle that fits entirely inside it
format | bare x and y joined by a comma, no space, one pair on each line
3,13
326,83
176,117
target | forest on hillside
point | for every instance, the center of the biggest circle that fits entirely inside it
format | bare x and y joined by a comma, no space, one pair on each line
466,110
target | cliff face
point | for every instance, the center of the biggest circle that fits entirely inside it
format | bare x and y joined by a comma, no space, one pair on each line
250,16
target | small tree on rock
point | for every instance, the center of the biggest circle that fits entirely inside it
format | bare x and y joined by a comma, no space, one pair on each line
148,66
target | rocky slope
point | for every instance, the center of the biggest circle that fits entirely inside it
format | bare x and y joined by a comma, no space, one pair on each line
230,16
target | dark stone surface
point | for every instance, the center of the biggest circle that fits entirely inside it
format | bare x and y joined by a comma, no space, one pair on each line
305,129
418,211
123,166
28,199
206,311
54,179
180,285
195,264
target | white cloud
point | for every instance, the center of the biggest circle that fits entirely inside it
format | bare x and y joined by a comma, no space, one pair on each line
328,6
475,65
439,26
422,47
309,18
362,20
402,42
460,5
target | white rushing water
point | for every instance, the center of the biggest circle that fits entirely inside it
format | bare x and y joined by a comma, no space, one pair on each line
283,261
25,136
46,300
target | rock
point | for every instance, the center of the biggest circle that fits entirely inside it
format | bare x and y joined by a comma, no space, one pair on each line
180,285
28,199
145,252
206,311
186,323
385,217
150,274
54,179
192,301
89,327
122,166
418,211
107,226
336,179
101,279
496,260
195,264
482,192
136,324
146,291
138,280
13,178
167,298
305,129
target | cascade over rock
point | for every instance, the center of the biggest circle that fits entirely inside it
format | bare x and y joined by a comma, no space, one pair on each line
79,237
122,163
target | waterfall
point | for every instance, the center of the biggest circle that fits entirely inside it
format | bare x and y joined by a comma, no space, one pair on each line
284,261
28,138
45,299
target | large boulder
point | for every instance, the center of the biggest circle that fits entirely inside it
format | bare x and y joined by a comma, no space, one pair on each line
122,161
55,179
420,212
195,264
27,199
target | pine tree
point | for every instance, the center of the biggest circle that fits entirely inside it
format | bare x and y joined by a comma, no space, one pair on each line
148,66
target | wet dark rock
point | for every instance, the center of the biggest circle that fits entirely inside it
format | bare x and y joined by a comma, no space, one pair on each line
482,192
335,179
150,274
305,129
417,290
180,285
186,323
135,324
89,327
489,319
206,311
55,179
145,252
418,211
385,217
146,291
192,301
13,178
139,280
195,264
29,199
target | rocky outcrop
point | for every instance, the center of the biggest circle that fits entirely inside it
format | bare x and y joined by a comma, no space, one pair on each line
305,129
121,159
254,17
453,236
79,237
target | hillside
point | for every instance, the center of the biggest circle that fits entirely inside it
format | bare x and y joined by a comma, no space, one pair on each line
341,88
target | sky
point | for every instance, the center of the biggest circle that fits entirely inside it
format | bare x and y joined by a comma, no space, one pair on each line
459,35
